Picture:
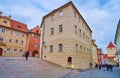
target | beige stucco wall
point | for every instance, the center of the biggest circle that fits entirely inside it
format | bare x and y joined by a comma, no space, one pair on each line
111,51
12,45
3,20
68,38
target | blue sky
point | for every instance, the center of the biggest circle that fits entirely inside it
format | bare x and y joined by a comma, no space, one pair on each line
101,15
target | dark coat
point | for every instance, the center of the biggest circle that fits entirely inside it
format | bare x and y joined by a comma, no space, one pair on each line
27,54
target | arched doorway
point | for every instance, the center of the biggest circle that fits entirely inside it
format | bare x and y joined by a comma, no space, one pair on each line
34,53
1,50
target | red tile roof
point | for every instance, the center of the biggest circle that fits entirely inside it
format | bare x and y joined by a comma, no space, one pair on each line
111,45
36,30
111,57
105,56
19,26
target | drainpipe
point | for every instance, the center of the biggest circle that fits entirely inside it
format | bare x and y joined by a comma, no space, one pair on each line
42,42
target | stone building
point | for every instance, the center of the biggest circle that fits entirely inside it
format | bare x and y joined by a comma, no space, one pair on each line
13,35
66,38
94,53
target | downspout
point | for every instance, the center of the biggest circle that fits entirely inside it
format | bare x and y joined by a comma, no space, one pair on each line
42,42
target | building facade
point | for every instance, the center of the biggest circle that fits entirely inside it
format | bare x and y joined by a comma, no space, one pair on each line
100,56
13,35
117,41
105,59
66,37
33,42
94,53
111,50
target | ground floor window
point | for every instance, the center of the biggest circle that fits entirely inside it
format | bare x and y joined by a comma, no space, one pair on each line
15,50
8,50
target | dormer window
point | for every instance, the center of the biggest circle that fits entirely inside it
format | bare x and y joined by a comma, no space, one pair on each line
5,21
37,31
18,26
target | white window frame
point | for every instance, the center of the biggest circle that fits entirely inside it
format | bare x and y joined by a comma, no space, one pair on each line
61,13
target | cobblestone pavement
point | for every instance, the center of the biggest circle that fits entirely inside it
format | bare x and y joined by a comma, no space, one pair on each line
95,73
18,67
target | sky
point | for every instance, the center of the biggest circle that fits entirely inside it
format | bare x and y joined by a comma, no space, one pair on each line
102,16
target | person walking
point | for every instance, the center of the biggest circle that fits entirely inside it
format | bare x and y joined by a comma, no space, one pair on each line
27,55
111,68
96,65
90,65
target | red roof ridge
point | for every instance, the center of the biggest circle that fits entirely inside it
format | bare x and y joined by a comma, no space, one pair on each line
111,45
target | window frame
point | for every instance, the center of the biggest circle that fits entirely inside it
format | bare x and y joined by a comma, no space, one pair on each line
61,13
60,47
52,31
51,48
52,18
60,28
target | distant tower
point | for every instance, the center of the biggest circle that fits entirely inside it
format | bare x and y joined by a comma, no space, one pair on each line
111,51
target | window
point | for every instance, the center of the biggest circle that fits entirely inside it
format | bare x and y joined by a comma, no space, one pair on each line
76,48
8,50
3,30
74,14
10,40
79,19
11,32
52,31
5,21
1,39
18,26
51,48
20,50
87,51
16,41
36,35
22,35
60,28
17,33
15,50
37,31
80,32
84,35
75,29
84,50
52,18
22,42
61,13
81,49
36,45
60,47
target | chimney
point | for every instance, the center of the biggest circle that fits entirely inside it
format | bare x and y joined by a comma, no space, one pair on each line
0,13
9,16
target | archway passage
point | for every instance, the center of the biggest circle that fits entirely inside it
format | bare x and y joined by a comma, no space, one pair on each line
1,50
34,53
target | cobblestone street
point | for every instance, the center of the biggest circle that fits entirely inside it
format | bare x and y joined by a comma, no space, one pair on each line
14,67
18,67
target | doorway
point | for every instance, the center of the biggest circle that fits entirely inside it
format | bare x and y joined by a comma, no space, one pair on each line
1,50
34,53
